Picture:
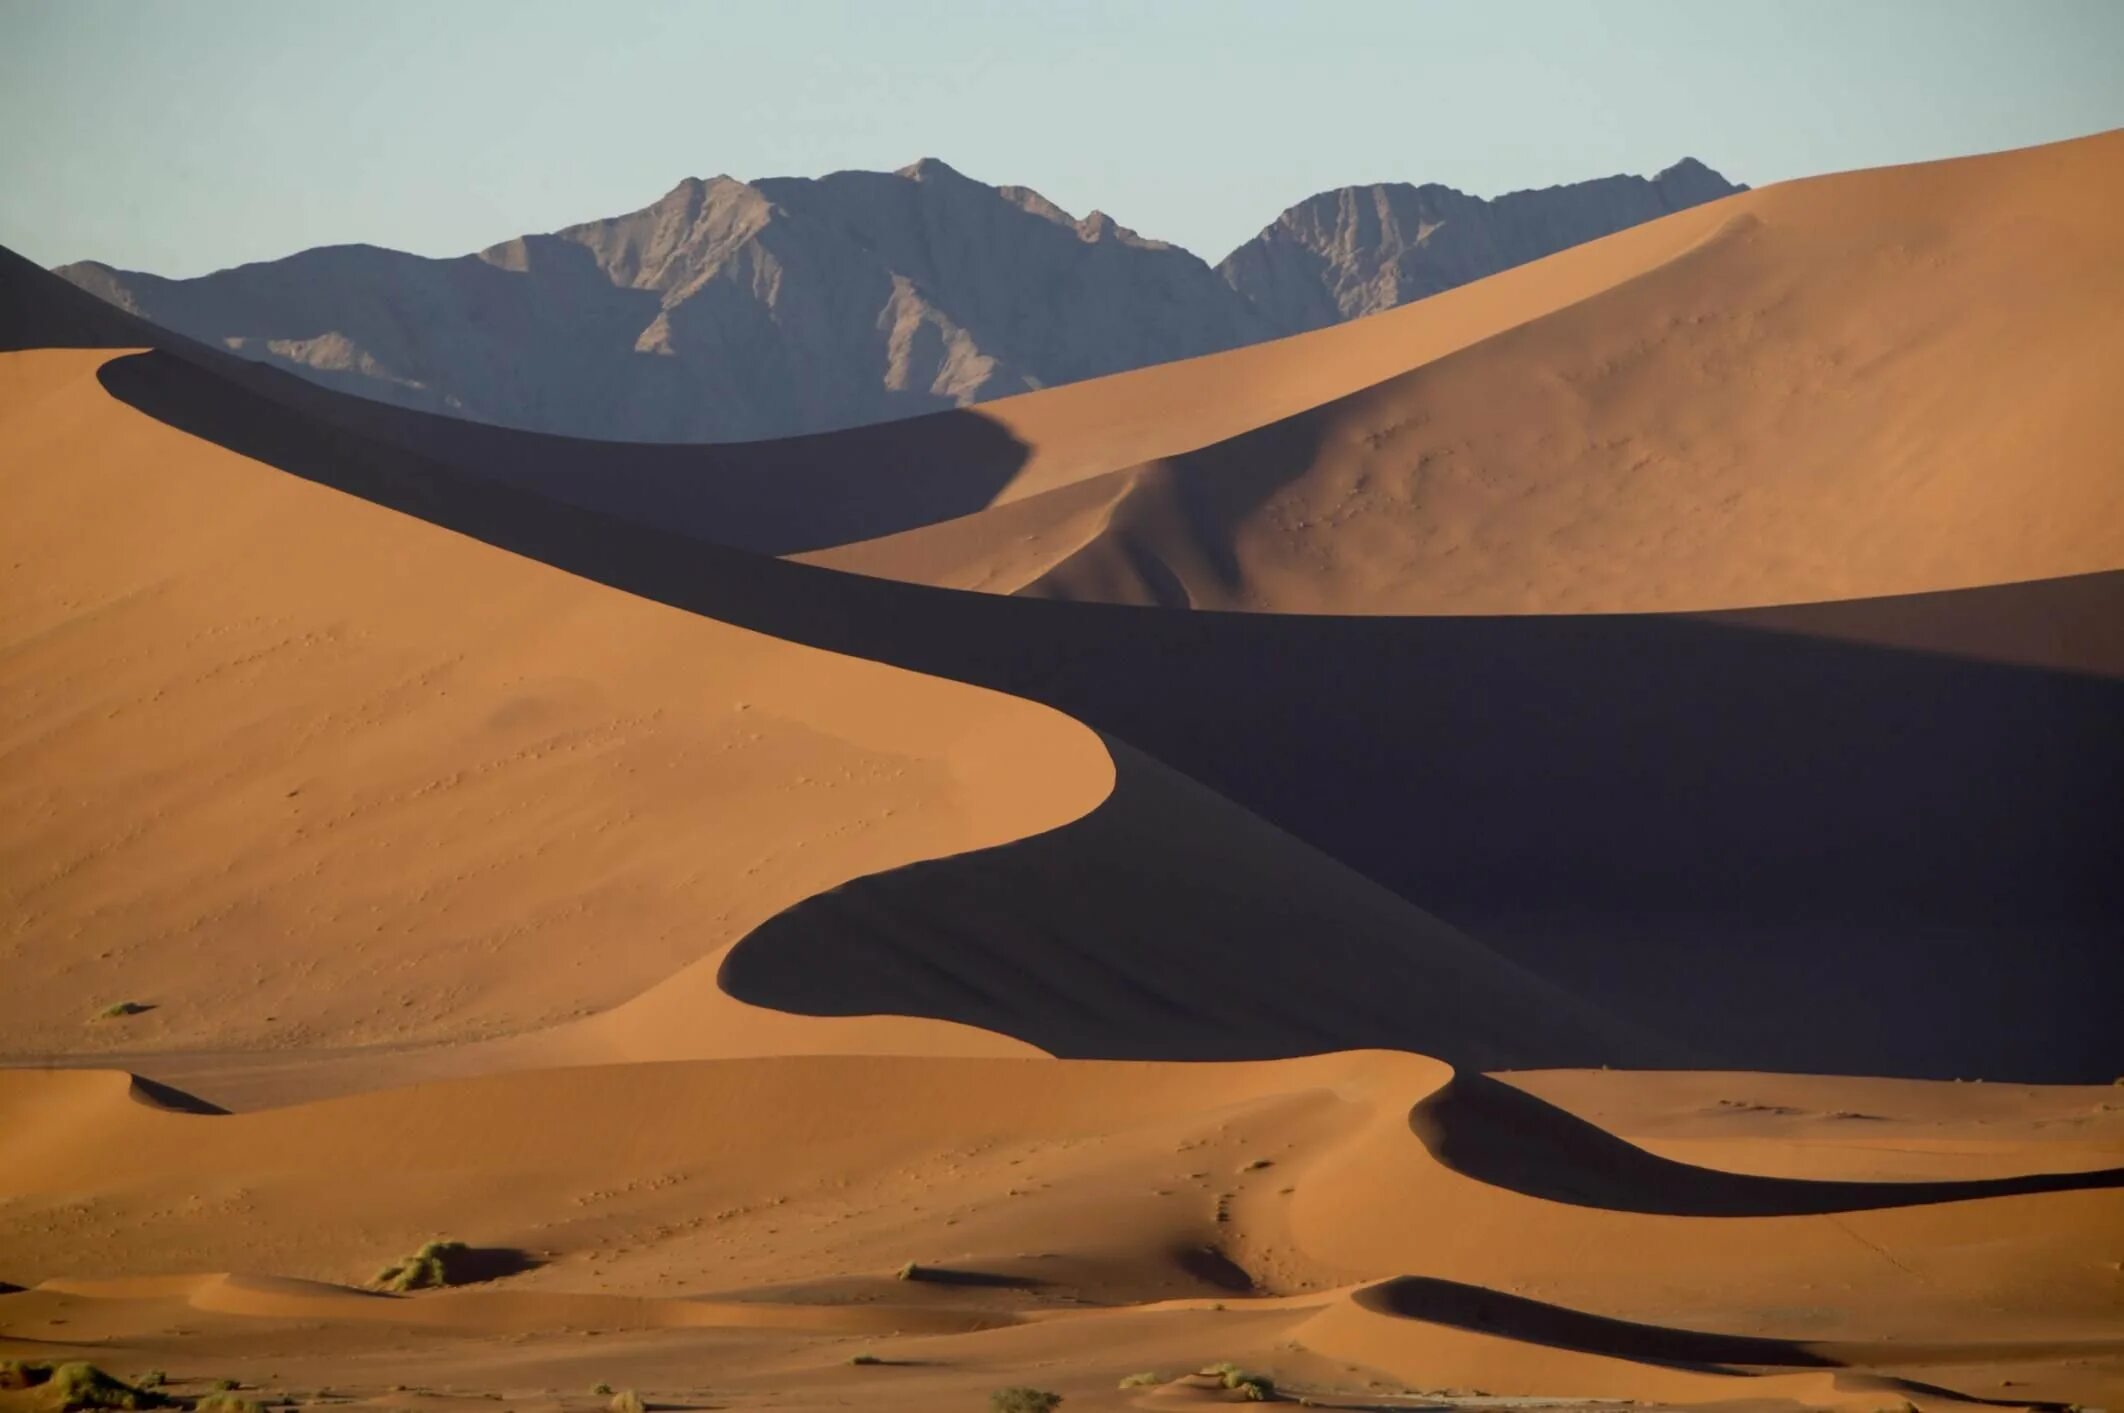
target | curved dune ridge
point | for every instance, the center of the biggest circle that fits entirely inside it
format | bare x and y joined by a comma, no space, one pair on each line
1700,819
692,933
1882,382
345,799
1281,1209
295,770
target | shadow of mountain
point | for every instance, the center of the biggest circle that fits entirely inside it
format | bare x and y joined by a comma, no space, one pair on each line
1485,1129
1791,851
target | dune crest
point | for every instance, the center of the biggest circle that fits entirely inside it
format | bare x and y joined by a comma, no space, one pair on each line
1289,1197
783,985
307,773
1883,382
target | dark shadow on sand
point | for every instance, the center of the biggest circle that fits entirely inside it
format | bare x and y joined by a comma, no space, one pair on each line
984,1280
1486,1129
1493,1312
1535,1322
1916,853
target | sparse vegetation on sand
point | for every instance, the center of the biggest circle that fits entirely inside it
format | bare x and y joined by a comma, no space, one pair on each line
601,1390
910,1272
118,1009
77,1385
223,1401
1258,1388
864,1358
1146,1379
625,1401
438,1263
1023,1400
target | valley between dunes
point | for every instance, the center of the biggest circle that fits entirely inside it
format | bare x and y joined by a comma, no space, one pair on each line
1414,990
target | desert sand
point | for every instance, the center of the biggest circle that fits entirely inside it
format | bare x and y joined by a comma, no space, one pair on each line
702,937
1882,382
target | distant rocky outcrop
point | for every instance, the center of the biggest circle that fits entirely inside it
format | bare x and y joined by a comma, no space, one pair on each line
1361,249
734,310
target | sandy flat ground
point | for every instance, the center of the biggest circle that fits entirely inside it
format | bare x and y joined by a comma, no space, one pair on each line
437,872
1088,1220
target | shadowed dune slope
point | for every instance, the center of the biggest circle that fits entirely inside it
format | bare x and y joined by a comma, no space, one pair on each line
1743,828
1509,1137
828,489
1882,382
1735,830
305,773
292,769
1158,928
775,496
1301,1176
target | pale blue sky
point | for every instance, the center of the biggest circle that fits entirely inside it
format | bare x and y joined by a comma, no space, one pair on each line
182,137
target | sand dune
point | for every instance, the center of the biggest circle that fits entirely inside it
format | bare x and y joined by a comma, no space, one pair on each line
344,800
1885,382
1301,1178
1694,844
691,931
818,491
1881,382
299,771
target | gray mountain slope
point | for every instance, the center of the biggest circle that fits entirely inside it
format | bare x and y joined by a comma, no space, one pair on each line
1362,249
732,310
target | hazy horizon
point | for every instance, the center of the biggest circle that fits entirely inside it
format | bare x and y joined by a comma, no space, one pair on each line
182,141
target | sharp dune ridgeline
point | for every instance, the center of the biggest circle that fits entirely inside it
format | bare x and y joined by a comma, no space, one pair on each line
1878,383
1474,850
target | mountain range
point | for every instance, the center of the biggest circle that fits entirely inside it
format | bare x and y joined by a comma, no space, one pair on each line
731,310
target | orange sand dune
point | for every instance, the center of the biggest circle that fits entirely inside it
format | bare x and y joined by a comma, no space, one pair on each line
818,491
1883,382
1662,815
298,771
328,788
367,796
1269,1187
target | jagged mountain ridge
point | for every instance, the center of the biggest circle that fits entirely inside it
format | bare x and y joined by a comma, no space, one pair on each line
732,310
1360,250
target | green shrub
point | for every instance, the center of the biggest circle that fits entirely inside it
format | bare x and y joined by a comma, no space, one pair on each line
1146,1379
153,1378
601,1390
438,1263
865,1358
225,1402
1023,1400
81,1386
1258,1388
224,1385
117,1009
